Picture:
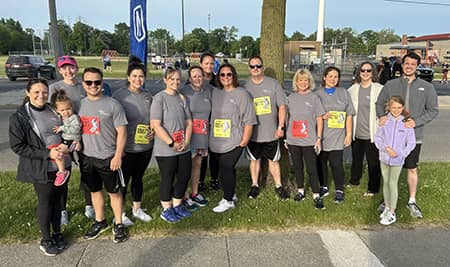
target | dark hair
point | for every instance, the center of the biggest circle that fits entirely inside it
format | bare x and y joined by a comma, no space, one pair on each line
206,54
92,70
30,84
136,66
134,59
256,57
193,68
328,70
412,55
397,99
233,71
374,72
59,96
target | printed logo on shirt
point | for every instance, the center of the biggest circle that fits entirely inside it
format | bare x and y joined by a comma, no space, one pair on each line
222,128
262,105
178,136
200,126
91,125
300,129
308,104
142,134
103,113
337,119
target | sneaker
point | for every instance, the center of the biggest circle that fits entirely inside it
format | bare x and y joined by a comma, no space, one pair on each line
385,213
318,203
64,217
339,197
201,187
200,200
224,205
282,193
96,229
169,216
48,248
125,220
89,212
214,184
235,198
254,192
58,241
381,207
299,196
414,210
190,204
389,219
120,233
323,192
61,177
182,212
140,214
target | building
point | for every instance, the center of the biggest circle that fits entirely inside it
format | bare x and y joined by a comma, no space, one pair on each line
298,54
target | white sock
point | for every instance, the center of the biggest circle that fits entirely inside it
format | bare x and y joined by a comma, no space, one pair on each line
412,200
301,190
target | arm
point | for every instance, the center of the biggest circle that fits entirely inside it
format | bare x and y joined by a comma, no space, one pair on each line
319,122
160,132
348,130
121,139
18,141
187,137
410,142
281,121
246,135
431,108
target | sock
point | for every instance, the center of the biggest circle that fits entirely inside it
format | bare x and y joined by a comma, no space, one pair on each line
301,190
412,200
277,185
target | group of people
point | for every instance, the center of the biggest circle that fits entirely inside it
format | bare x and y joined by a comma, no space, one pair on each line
213,117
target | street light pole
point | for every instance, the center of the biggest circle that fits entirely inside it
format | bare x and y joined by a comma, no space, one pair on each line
182,24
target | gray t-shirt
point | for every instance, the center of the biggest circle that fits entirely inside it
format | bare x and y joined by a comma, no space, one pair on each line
362,130
231,111
74,92
302,114
172,111
267,97
137,110
200,106
100,119
340,105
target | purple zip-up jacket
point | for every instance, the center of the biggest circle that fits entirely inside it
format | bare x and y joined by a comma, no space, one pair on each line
394,134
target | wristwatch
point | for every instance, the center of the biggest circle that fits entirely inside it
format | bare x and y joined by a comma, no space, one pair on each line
171,144
281,128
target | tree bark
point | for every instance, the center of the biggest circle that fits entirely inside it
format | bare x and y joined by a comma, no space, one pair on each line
54,33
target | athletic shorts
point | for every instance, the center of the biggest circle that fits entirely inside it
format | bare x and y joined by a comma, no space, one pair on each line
270,150
96,173
412,160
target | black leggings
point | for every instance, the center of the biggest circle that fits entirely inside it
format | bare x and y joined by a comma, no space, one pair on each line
360,148
335,157
213,167
298,153
227,171
133,167
169,167
49,208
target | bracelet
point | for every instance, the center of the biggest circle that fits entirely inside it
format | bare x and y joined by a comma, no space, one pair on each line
280,128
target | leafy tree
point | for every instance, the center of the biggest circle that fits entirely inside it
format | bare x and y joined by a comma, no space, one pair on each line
192,43
202,36
249,46
297,36
159,39
81,35
370,40
386,36
121,38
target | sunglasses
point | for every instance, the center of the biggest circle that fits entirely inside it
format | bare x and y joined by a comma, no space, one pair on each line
97,82
63,58
257,66
366,70
229,74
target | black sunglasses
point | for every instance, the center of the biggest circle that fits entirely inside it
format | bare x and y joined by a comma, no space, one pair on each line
96,82
366,70
229,74
257,66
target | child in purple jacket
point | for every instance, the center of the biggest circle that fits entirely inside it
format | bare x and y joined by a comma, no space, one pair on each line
395,142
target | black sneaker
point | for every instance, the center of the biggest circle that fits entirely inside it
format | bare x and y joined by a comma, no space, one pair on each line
201,187
282,193
96,229
318,203
339,198
323,192
120,233
254,192
48,248
214,184
299,197
58,241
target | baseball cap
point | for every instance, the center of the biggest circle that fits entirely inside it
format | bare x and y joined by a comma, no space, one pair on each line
66,60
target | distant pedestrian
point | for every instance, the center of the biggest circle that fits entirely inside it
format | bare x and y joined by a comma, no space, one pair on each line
107,65
445,67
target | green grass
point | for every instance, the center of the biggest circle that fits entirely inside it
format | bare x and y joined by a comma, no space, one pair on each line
266,213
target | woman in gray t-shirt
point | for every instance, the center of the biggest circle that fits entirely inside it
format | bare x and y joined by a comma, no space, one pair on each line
170,118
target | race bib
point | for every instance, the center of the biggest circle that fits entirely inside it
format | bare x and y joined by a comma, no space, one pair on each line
222,128
141,136
200,126
300,129
262,105
337,119
91,125
178,137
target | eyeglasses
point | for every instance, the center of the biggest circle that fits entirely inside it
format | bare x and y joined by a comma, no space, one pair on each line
257,66
366,70
65,58
97,82
229,74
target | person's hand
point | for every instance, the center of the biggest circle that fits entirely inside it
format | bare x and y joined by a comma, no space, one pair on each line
55,154
347,140
391,152
326,116
56,129
116,163
151,134
76,145
181,146
279,133
243,143
318,145
382,120
410,123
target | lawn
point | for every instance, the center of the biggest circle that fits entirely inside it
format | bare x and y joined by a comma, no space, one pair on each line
266,213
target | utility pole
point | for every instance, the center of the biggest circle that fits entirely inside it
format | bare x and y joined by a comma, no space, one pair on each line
54,32
182,24
209,22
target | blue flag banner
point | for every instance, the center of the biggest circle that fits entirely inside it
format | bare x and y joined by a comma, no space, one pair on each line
138,29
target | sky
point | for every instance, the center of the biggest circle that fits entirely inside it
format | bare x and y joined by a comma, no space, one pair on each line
245,15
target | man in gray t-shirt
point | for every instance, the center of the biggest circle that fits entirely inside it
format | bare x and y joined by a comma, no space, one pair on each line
269,101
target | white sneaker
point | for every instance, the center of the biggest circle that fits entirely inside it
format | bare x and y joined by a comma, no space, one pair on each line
89,212
389,219
384,213
235,198
125,220
141,215
224,205
64,217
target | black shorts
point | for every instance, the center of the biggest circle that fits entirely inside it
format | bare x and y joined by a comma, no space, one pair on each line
412,160
270,150
96,173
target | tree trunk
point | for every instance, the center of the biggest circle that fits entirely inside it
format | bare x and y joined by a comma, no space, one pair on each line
272,52
54,33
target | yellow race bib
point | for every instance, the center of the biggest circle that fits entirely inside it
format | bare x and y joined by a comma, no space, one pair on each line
222,128
337,119
262,105
142,133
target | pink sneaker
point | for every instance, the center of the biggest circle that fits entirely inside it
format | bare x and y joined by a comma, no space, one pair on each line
61,177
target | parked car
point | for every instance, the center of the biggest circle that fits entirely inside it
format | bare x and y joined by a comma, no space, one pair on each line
22,66
425,73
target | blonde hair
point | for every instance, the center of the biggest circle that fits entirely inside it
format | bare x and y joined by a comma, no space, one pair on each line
303,73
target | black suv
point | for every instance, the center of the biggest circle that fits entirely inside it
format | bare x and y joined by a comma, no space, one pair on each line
29,67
